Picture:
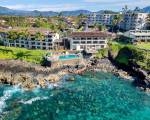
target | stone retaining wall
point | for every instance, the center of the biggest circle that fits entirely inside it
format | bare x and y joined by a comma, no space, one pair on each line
60,63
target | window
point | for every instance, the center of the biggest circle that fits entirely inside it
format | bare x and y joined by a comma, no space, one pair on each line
49,36
38,47
32,43
83,42
89,38
88,42
50,44
76,42
101,42
44,48
95,42
32,38
39,43
50,40
102,46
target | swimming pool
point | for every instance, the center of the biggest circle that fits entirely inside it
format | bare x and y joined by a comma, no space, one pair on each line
68,57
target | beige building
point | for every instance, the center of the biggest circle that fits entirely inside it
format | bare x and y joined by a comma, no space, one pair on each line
89,41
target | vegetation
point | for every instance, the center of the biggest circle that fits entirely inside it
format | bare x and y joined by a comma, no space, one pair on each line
148,22
102,53
129,54
60,24
116,22
144,46
101,27
34,56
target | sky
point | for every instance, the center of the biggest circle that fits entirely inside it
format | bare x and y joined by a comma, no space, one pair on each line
68,5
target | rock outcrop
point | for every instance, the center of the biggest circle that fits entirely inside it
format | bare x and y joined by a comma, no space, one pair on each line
27,75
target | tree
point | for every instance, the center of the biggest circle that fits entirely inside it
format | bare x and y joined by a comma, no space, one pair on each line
125,9
116,21
39,36
101,27
23,34
12,35
148,22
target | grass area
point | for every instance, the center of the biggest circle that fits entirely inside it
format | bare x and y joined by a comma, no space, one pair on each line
34,56
139,45
143,46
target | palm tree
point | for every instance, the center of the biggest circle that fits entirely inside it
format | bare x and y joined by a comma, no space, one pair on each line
116,21
148,21
23,35
125,9
12,35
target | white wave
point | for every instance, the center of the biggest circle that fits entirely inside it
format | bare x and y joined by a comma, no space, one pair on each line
33,100
7,95
53,85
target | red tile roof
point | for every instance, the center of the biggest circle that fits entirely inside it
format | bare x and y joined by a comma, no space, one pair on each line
91,34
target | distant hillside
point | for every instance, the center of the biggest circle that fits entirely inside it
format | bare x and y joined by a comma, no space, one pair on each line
7,11
147,9
75,13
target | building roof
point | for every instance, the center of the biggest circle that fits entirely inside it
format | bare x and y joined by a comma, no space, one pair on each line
30,30
139,32
91,34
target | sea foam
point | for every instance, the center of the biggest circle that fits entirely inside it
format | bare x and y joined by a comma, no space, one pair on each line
33,100
7,93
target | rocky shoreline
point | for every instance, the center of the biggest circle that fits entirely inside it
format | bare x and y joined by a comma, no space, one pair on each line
105,65
30,76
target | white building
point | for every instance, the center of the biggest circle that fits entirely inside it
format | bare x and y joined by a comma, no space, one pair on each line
138,35
89,41
100,18
31,42
134,20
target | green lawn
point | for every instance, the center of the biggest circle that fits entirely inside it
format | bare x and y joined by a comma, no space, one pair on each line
144,46
34,56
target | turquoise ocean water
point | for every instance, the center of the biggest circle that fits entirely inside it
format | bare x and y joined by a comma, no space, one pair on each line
101,96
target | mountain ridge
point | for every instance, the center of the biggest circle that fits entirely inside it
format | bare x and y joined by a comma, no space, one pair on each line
8,11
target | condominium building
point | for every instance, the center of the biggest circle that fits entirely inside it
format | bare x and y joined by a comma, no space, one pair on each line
89,41
134,20
138,35
49,41
100,18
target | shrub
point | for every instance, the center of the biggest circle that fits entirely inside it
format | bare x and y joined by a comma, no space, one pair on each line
102,53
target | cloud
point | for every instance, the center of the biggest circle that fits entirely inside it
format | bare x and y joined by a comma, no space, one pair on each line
120,3
55,7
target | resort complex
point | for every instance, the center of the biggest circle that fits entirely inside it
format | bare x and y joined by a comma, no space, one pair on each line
77,64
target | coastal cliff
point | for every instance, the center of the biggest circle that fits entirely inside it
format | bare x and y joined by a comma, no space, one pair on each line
133,60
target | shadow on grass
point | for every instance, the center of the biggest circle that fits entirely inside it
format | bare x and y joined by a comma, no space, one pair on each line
6,51
20,55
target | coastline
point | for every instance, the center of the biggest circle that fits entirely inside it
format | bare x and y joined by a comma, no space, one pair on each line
30,76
